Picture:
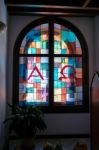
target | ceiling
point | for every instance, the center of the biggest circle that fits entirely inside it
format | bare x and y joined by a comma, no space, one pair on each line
55,7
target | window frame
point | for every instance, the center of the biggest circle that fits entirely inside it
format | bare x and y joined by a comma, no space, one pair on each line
85,64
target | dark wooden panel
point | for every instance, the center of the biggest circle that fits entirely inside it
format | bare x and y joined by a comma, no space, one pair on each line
94,95
94,3
49,10
48,2
55,7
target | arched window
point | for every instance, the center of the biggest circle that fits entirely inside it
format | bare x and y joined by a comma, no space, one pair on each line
51,67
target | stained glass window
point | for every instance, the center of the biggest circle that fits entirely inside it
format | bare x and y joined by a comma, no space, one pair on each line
68,80
52,70
68,88
33,80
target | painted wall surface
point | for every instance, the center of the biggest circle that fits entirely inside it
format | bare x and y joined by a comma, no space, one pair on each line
3,45
2,85
56,123
2,11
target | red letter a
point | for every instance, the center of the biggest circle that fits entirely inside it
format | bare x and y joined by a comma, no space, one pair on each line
39,74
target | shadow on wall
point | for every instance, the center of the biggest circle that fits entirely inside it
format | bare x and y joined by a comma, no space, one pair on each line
2,27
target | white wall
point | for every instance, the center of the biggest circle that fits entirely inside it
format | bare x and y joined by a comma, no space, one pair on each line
56,123
3,45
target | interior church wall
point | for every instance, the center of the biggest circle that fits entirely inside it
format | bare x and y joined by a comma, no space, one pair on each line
68,123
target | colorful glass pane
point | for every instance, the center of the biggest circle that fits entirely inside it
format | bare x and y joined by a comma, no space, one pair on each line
68,80
36,41
65,41
33,80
